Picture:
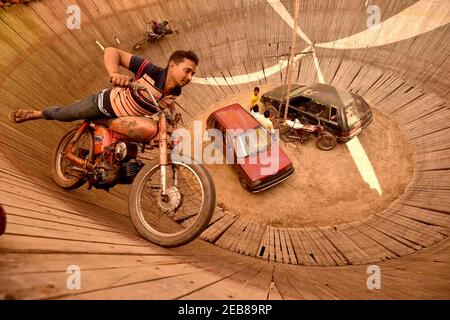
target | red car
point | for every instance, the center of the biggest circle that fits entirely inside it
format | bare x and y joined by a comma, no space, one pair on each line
260,163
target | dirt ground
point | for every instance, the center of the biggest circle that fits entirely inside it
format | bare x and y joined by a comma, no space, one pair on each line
327,188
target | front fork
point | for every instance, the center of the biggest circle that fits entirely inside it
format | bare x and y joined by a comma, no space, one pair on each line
68,153
163,156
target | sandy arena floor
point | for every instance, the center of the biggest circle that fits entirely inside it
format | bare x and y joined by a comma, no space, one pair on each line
327,188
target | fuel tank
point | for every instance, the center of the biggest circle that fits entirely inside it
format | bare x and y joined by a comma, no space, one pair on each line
137,129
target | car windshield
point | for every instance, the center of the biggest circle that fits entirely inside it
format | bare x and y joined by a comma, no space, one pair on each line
251,142
355,110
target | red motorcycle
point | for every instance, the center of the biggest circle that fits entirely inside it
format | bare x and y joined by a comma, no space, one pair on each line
303,131
170,202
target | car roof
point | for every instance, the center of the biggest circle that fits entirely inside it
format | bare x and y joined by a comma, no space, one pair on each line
280,91
328,94
318,91
235,117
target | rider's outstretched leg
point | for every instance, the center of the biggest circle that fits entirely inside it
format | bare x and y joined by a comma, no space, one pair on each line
19,116
86,108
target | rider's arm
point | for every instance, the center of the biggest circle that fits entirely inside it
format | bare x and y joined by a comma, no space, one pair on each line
113,59
140,66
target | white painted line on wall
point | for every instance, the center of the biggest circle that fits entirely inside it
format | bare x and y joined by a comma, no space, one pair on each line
317,66
413,21
246,78
421,17
286,16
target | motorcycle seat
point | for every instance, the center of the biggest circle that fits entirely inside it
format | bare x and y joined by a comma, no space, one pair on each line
309,127
101,122
294,124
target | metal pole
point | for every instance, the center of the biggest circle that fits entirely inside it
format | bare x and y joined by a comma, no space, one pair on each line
292,57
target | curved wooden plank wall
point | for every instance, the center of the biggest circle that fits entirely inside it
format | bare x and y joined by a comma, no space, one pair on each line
42,63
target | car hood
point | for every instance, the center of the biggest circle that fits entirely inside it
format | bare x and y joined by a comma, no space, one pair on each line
266,164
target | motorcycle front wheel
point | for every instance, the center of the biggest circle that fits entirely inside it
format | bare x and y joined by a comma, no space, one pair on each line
183,213
326,141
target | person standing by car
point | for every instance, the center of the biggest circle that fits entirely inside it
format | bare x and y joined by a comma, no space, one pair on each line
254,98
265,121
255,111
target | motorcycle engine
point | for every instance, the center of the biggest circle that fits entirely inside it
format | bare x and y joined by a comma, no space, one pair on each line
129,170
105,176
124,152
122,170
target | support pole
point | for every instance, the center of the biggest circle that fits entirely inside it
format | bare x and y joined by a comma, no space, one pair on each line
290,68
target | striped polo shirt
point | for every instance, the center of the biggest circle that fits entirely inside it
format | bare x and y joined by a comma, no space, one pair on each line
121,102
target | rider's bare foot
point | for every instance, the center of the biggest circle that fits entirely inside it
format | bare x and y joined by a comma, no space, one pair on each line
24,115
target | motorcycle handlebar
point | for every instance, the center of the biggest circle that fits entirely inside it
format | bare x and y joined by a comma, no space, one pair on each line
137,87
172,116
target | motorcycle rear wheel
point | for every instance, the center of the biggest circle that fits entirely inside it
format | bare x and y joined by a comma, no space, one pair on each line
187,210
62,172
326,141
288,134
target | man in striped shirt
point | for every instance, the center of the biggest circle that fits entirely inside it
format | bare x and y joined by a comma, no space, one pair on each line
164,83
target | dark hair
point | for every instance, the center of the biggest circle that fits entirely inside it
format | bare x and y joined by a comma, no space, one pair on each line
255,108
256,88
179,55
267,114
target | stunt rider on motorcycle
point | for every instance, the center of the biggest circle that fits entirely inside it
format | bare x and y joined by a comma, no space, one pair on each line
161,29
164,83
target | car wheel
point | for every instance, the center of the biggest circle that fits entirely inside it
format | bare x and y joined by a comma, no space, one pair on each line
245,184
326,141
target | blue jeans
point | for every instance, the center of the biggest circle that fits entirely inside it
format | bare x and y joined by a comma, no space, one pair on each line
86,108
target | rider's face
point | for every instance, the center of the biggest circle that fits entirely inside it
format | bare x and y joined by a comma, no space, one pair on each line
182,72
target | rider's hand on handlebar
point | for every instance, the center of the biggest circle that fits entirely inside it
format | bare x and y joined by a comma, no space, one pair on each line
120,80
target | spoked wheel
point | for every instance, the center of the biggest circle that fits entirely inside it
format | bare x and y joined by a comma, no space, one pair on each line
183,213
64,172
326,141
288,134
